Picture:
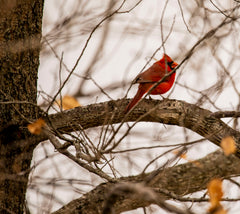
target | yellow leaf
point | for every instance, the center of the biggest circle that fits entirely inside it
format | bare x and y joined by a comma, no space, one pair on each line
228,145
36,127
215,194
68,102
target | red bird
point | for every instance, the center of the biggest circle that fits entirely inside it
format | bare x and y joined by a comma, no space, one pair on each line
152,75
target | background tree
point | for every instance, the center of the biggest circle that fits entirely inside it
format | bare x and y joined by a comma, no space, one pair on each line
20,33
94,158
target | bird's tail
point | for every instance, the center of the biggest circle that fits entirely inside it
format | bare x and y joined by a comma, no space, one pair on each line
135,100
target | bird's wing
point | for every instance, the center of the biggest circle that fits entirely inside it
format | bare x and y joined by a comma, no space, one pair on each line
151,75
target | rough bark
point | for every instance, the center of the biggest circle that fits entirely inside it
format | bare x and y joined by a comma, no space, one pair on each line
176,181
171,112
20,35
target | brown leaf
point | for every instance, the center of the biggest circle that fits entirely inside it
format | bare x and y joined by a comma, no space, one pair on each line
228,145
220,211
215,193
181,155
68,102
36,127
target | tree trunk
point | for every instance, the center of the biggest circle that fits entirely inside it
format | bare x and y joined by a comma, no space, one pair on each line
20,35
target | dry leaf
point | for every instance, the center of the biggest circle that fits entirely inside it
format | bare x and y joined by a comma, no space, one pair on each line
181,155
215,194
68,102
184,156
228,145
36,127
220,211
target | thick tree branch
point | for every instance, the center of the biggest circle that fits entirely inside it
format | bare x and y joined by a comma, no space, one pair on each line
179,180
172,112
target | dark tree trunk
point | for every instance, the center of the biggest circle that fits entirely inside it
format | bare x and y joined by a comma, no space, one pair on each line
20,34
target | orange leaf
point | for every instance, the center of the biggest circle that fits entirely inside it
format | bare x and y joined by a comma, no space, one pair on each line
215,193
220,211
182,155
68,102
36,127
228,145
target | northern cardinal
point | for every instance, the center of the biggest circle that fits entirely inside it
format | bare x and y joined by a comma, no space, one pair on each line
151,76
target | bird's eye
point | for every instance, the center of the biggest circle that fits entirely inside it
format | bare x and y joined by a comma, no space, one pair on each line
170,64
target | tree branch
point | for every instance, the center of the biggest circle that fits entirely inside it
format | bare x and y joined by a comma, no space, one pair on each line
179,180
171,112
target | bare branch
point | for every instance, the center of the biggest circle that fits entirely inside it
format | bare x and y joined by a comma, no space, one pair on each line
179,180
170,112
